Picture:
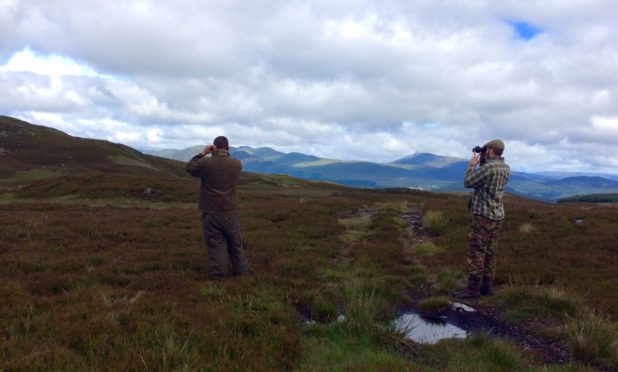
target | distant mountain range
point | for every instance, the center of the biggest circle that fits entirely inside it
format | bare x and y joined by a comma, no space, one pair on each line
419,171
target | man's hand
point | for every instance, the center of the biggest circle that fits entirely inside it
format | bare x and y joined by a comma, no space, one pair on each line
209,149
476,158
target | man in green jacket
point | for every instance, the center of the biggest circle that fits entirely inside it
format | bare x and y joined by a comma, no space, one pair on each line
219,206
487,211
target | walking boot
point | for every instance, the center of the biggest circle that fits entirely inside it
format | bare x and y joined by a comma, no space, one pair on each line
487,287
472,291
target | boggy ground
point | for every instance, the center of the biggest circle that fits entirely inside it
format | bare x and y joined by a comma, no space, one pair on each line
477,317
122,283
541,320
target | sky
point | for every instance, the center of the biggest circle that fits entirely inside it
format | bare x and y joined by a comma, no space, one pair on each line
369,80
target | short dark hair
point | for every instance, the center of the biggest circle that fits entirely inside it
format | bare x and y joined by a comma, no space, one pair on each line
221,143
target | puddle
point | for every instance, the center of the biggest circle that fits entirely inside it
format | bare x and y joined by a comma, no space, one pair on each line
427,330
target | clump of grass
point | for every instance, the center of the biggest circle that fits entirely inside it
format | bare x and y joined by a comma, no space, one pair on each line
593,337
418,274
399,207
478,353
427,249
362,308
536,303
336,348
447,280
324,312
172,351
435,222
435,303
356,228
360,222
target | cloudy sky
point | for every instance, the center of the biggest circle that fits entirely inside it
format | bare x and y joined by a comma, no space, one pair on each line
360,80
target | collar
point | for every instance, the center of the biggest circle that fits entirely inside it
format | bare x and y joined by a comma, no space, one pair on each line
225,153
494,158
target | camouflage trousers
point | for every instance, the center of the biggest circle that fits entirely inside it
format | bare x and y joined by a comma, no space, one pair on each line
483,245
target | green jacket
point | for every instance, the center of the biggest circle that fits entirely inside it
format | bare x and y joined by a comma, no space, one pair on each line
488,182
219,177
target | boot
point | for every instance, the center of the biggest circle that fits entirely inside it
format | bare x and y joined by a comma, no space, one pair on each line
472,291
487,287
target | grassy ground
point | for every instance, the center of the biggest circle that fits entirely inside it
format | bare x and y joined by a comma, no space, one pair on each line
119,281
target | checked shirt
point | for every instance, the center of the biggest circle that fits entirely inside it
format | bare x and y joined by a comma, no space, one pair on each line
488,182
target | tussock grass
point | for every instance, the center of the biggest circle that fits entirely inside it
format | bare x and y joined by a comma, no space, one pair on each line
435,222
593,337
435,303
536,303
418,274
427,249
336,348
399,207
362,308
356,228
447,280
479,353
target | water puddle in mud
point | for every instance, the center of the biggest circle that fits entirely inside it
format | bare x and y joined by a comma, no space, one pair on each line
427,330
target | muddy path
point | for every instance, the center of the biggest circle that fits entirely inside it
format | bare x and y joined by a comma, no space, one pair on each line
477,318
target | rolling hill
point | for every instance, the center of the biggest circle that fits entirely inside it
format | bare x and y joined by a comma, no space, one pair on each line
41,150
40,162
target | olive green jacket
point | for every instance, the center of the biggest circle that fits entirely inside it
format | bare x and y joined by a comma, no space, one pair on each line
219,177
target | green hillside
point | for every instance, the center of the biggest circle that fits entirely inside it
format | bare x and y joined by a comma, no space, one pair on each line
27,147
591,198
96,274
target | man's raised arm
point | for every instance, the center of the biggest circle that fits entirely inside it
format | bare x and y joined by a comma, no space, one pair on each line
193,167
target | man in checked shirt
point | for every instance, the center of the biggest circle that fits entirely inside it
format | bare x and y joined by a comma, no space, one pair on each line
487,211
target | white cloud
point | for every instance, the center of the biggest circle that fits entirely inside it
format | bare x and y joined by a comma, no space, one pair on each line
331,78
27,60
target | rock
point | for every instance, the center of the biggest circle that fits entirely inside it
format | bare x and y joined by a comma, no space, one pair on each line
148,191
462,307
526,228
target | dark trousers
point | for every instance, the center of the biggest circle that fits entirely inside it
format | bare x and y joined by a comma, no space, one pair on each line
222,239
483,246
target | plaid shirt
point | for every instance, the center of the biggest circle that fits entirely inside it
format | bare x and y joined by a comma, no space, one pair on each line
488,182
